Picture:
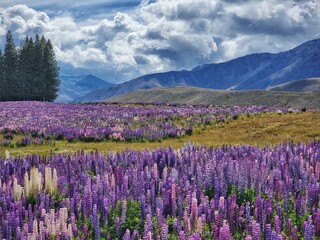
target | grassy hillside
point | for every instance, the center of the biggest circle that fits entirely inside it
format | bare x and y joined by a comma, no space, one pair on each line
305,85
221,97
260,130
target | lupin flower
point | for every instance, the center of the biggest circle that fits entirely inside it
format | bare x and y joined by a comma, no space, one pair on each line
277,224
123,211
92,188
182,236
95,221
126,235
118,227
255,230
51,180
289,227
199,225
316,221
308,232
295,233
33,185
164,231
148,227
268,232
17,190
224,233
194,211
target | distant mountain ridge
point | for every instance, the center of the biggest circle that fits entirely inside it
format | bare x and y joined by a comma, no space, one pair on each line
254,71
193,95
74,87
304,85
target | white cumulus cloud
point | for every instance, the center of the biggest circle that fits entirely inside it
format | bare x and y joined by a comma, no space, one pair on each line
162,35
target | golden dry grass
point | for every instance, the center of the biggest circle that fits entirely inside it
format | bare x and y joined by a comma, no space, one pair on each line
263,129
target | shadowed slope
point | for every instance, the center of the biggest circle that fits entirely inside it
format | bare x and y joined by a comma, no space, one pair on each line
305,85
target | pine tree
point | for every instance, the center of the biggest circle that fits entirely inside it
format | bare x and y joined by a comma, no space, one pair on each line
43,80
2,83
38,70
25,67
31,73
10,67
51,73
29,68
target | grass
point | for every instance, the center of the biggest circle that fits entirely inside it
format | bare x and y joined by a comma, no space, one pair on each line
262,130
194,95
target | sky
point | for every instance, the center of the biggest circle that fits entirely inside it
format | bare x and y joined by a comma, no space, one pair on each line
118,40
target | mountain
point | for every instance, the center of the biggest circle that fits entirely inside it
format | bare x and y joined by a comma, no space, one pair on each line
255,71
74,87
193,95
90,81
305,85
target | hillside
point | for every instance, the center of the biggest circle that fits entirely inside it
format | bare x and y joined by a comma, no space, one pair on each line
255,71
194,95
305,85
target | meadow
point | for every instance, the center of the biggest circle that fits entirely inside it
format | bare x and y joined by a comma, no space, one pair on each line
158,171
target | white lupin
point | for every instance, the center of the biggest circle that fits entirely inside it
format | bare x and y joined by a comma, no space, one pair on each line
17,190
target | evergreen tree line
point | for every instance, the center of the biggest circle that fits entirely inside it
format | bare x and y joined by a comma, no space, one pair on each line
29,72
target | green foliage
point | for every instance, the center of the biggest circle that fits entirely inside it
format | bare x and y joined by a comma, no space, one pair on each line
85,222
2,80
132,221
230,190
113,214
10,67
238,235
244,196
51,73
58,199
170,222
210,192
31,73
91,173
157,231
173,236
207,231
31,199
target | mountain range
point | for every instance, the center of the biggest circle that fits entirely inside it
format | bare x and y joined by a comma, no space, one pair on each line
74,87
254,71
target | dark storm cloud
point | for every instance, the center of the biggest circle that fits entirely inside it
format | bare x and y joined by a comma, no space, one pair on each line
275,26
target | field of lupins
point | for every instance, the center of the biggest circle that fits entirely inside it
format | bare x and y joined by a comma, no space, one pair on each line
194,192
100,122
230,192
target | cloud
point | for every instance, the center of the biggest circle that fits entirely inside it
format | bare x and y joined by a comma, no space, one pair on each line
23,20
87,57
162,35
270,18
